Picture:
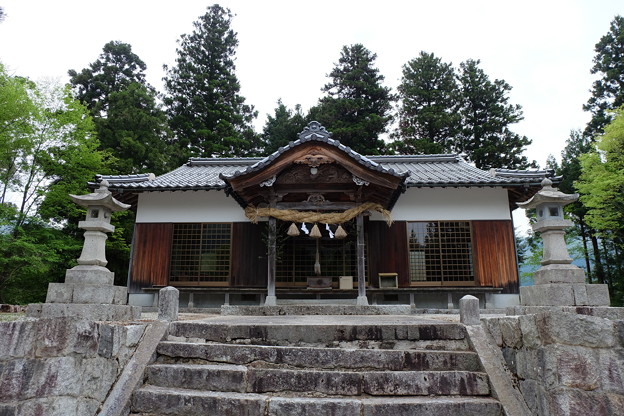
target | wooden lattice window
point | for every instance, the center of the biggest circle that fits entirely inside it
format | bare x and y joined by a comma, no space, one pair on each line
440,252
201,252
296,263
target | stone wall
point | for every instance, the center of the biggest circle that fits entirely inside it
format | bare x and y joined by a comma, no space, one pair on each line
61,366
564,363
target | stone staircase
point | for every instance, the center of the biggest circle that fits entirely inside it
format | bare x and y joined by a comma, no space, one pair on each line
267,368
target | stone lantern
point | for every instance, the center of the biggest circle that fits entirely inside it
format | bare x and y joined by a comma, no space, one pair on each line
558,281
88,291
100,205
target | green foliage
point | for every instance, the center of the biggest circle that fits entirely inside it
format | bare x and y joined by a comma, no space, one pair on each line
282,128
115,70
607,91
357,108
530,251
16,112
486,115
31,256
602,182
442,110
129,123
206,111
429,99
55,153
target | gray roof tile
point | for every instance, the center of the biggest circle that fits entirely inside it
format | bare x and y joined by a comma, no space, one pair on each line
422,171
418,170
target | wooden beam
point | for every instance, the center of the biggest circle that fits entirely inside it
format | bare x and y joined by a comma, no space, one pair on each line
308,206
361,299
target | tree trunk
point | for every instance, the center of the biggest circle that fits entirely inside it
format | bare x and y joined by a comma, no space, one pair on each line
585,250
600,275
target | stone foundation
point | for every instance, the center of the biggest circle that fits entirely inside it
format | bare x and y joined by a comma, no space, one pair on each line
565,294
62,366
565,363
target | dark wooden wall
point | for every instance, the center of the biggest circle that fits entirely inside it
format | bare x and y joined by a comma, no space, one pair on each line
150,256
249,255
387,250
493,244
495,255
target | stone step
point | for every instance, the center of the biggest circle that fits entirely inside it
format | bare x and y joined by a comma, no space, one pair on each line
236,378
155,401
327,358
302,334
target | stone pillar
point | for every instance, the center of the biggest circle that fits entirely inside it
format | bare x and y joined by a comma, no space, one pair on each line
362,300
558,282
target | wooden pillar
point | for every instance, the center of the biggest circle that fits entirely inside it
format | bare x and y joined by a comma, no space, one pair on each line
271,299
361,299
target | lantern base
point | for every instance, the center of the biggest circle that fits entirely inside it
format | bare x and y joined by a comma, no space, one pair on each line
558,273
565,294
89,275
101,312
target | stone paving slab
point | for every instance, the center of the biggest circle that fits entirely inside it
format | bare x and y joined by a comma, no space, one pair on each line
380,359
317,329
152,400
439,406
149,400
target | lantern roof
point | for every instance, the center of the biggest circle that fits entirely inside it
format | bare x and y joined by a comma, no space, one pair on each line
101,197
548,195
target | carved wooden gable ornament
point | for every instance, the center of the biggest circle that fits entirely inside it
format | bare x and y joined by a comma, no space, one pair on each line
315,164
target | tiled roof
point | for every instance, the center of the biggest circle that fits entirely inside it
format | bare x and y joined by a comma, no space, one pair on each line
422,171
418,170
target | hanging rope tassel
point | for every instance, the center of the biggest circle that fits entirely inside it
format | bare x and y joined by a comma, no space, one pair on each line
293,231
317,263
315,232
340,232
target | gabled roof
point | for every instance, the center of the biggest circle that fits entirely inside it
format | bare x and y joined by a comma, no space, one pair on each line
421,171
314,132
444,170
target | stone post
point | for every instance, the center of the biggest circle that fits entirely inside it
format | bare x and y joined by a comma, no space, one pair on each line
469,310
558,282
168,304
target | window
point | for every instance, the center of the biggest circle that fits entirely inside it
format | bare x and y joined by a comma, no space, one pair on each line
201,253
440,252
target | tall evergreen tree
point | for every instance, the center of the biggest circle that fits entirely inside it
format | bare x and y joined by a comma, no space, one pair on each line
601,186
116,68
577,145
205,108
608,91
486,115
282,128
357,107
129,123
429,97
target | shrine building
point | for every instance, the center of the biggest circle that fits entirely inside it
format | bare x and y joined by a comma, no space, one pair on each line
317,222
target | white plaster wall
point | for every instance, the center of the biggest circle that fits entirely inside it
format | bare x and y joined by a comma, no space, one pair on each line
423,204
189,206
416,204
